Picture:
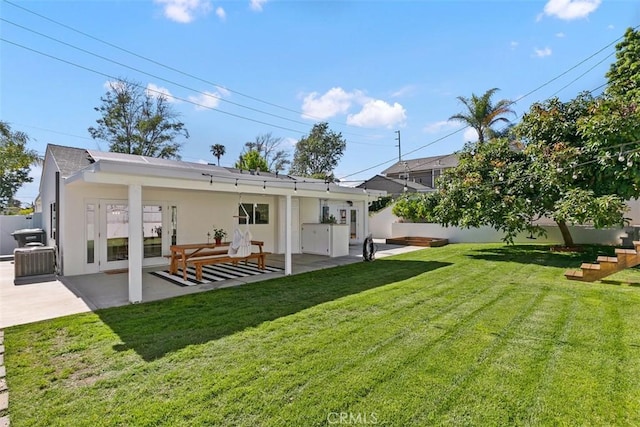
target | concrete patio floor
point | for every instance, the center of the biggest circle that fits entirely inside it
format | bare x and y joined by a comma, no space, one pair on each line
27,303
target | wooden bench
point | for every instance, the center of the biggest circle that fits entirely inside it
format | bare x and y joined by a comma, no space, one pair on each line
260,256
181,253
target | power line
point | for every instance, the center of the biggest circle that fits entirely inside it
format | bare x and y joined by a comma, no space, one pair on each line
511,103
146,88
175,69
210,95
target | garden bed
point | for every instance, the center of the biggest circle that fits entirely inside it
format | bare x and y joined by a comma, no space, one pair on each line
418,241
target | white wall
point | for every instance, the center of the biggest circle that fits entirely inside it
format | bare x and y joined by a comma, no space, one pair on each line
11,223
487,234
385,225
198,213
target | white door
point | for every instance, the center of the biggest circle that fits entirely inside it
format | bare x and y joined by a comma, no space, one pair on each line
113,241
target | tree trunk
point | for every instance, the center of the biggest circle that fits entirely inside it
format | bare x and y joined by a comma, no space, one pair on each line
566,235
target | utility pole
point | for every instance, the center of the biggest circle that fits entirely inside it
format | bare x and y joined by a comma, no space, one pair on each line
399,148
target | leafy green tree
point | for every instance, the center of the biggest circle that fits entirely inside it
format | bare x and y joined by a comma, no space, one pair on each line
575,162
624,75
252,160
318,153
482,114
15,163
218,150
137,121
506,188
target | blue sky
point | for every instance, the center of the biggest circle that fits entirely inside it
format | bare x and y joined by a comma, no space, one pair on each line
238,69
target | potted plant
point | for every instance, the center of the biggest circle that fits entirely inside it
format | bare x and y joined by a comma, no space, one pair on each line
219,234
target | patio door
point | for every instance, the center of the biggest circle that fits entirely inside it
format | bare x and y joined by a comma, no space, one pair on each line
114,235
112,242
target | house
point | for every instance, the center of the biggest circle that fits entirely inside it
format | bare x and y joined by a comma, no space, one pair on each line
394,187
423,171
105,211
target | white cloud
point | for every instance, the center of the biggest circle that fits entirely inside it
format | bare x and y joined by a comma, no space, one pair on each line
220,13
184,11
373,112
513,45
377,112
335,101
560,35
470,135
610,27
440,126
207,100
256,5
541,53
404,91
570,9
155,91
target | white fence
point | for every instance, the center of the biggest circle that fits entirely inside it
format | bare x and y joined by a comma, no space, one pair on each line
385,225
11,223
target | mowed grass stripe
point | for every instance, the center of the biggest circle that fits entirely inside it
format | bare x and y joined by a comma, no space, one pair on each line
465,334
595,370
350,346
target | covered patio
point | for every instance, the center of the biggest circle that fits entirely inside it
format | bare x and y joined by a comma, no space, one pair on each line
20,304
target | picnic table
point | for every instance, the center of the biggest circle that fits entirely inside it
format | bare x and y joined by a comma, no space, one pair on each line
181,254
200,254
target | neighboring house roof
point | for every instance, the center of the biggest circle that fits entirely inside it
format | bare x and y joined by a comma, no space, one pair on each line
393,185
69,159
423,164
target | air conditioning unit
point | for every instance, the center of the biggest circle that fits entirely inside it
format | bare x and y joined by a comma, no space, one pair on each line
34,264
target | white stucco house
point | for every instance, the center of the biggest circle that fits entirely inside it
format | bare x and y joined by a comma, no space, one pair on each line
105,211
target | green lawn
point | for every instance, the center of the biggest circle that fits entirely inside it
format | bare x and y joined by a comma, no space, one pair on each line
458,335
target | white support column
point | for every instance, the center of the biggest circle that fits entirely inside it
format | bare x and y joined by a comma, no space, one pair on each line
365,219
135,243
287,236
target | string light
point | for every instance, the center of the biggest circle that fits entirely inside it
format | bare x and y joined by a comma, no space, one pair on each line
264,185
295,187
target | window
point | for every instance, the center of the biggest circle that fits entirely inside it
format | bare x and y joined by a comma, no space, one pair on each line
152,230
174,225
253,213
91,232
52,219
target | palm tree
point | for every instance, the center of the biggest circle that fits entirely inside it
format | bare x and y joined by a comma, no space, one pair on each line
218,150
482,114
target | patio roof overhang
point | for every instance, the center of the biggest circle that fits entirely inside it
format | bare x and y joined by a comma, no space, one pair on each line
194,176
